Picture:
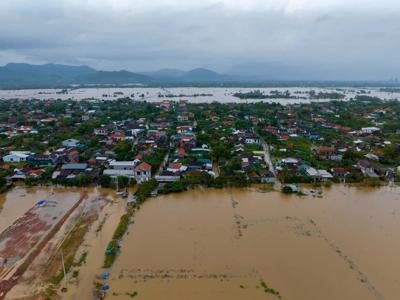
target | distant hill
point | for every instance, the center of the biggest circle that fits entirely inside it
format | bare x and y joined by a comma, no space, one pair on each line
20,75
203,75
198,75
166,74
113,77
26,75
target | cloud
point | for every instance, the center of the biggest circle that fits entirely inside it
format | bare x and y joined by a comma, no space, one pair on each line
358,37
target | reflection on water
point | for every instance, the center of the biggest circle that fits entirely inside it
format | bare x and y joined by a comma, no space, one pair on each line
222,244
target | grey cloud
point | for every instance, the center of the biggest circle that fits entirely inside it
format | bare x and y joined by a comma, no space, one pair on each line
334,41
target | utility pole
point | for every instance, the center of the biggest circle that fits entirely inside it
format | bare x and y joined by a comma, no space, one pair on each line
63,266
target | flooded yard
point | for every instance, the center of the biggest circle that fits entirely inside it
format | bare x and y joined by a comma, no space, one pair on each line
244,244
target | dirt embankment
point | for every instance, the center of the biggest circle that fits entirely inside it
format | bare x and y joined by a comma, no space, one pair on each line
25,239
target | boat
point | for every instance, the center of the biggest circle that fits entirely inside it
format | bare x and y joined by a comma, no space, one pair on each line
123,194
41,203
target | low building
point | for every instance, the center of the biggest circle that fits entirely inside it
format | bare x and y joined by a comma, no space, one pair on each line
121,168
143,172
16,156
70,143
41,161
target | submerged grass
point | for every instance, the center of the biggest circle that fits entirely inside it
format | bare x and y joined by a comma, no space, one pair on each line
121,229
269,290
68,247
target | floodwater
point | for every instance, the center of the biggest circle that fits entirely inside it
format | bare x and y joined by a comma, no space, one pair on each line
19,200
221,244
95,243
224,95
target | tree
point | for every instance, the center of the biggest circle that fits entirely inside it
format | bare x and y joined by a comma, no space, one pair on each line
3,182
105,181
220,151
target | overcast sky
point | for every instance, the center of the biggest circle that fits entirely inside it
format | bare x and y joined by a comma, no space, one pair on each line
334,39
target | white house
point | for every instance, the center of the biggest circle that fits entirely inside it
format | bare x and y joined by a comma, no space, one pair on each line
70,143
121,168
17,156
369,130
123,165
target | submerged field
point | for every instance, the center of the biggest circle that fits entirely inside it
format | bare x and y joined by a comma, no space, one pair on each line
337,243
244,244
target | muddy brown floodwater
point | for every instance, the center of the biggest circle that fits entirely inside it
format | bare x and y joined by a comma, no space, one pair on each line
221,244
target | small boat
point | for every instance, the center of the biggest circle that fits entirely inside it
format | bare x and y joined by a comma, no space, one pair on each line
41,203
123,194
105,275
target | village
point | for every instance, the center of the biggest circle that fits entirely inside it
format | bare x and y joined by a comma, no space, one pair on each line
122,142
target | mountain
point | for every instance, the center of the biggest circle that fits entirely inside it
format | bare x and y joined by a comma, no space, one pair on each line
15,75
165,74
203,75
113,77
21,75
199,75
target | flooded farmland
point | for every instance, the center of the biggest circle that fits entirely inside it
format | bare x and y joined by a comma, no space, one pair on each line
191,94
230,244
212,244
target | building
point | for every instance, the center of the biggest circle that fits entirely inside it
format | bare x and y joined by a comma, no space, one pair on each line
101,131
251,139
16,156
41,161
70,143
121,168
369,130
143,172
123,165
326,152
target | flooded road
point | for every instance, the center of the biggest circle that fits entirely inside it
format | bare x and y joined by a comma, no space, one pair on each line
244,244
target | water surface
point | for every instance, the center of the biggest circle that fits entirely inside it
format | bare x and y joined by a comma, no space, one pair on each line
220,244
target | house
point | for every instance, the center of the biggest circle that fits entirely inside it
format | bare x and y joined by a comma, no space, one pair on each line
80,167
181,153
166,176
318,174
18,174
117,137
143,172
369,130
41,161
326,152
73,155
339,172
176,167
70,143
252,139
70,171
367,168
16,156
123,165
121,168
101,131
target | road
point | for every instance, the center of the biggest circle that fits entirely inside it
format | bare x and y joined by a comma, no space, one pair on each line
268,161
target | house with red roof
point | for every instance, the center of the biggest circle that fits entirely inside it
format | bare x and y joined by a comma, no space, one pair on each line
143,172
